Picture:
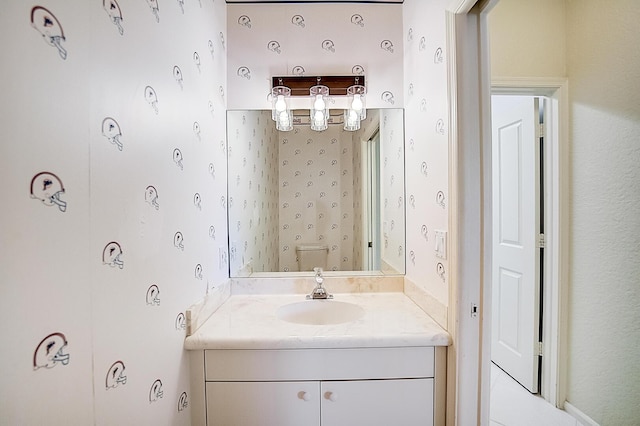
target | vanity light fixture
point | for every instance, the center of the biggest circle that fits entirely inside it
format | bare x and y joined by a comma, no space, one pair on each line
316,93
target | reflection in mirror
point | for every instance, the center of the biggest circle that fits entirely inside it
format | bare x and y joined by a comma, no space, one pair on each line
332,198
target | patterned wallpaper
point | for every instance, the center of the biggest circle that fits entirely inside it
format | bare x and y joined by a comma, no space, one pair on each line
316,195
359,233
312,39
253,191
392,189
296,39
114,121
426,142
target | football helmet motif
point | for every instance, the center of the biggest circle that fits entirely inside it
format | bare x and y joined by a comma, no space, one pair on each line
151,196
181,322
274,46
177,158
245,21
178,240
177,74
115,13
153,295
386,45
329,46
153,5
111,131
357,20
155,393
151,97
115,375
49,27
47,187
111,255
182,401
49,351
298,20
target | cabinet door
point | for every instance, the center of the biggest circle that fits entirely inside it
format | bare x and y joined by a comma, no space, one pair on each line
406,402
263,403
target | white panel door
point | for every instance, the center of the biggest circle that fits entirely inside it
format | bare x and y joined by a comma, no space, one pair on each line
263,403
407,402
515,270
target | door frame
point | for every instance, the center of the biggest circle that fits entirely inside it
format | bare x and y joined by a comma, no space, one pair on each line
555,90
468,366
370,177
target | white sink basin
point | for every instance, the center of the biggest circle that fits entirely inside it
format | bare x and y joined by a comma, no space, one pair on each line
320,312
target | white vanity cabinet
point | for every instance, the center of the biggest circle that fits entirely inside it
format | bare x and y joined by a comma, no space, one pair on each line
319,387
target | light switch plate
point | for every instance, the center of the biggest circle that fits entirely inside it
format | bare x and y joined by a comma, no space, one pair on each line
441,243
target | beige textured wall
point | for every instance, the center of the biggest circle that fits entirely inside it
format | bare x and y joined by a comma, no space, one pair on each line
528,38
603,64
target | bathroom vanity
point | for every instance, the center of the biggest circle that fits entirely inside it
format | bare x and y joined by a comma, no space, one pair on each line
359,359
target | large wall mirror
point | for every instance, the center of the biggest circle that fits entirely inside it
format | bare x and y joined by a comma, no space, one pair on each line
334,197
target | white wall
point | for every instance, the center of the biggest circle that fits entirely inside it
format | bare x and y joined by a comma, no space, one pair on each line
56,278
426,143
603,68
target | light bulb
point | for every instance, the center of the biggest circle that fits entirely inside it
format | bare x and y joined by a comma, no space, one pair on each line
319,118
353,116
281,105
356,105
284,118
319,103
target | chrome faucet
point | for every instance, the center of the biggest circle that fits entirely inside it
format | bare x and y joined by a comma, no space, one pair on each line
319,292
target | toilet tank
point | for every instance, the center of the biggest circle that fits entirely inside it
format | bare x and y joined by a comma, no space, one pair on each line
311,256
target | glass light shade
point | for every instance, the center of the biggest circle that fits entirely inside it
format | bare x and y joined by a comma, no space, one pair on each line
279,101
319,112
284,123
351,120
358,99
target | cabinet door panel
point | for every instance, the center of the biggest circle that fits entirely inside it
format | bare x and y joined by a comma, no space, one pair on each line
377,402
263,403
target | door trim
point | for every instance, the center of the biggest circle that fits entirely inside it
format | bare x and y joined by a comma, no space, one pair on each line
554,324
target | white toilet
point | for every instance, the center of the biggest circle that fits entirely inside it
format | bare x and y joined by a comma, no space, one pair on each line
311,256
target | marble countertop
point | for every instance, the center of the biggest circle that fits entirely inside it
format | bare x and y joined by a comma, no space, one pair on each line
250,322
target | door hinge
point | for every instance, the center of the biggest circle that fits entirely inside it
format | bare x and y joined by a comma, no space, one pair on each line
541,241
539,348
540,130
